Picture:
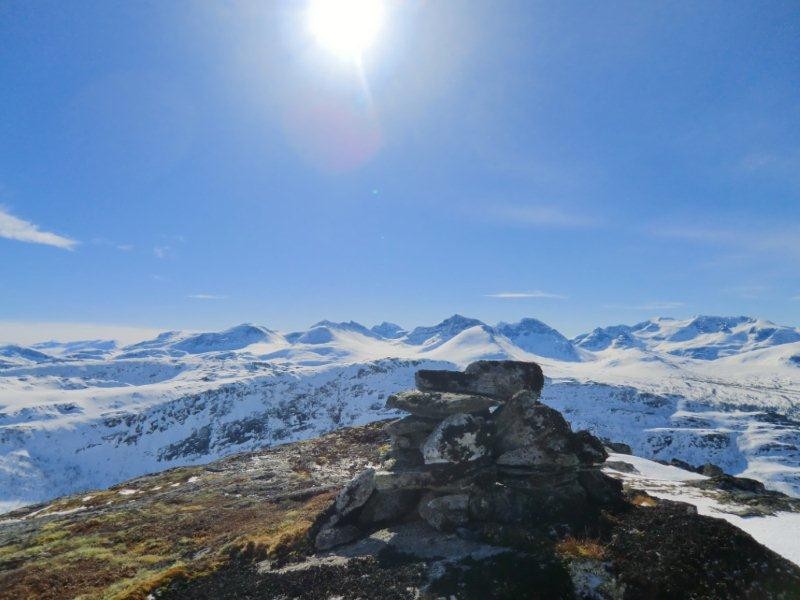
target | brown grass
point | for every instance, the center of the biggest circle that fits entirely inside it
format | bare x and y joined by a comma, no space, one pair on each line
581,548
645,500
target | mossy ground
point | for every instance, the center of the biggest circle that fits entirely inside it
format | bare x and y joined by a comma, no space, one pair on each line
182,523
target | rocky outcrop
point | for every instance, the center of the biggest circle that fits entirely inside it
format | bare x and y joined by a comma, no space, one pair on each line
479,456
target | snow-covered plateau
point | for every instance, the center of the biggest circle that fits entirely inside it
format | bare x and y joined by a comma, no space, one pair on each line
84,415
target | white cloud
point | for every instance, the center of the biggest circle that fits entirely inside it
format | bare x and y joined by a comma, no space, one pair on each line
207,296
14,228
534,294
533,215
658,305
796,297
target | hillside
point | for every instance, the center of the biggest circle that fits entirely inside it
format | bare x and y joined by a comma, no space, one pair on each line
237,527
85,415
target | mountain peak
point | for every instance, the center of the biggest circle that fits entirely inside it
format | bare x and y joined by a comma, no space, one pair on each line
388,330
536,337
440,333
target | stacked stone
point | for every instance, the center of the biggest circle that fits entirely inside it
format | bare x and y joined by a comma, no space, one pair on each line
478,452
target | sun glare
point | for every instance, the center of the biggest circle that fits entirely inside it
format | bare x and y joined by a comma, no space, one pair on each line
345,27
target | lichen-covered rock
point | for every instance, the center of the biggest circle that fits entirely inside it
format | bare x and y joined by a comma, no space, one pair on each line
409,425
409,433
459,438
589,449
330,537
355,494
500,379
445,513
406,479
438,405
528,433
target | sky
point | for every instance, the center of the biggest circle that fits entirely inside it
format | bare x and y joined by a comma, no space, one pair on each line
177,164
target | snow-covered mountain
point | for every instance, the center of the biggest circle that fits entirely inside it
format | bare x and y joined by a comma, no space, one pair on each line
703,337
80,415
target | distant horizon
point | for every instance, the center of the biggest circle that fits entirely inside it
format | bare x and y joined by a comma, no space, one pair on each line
30,333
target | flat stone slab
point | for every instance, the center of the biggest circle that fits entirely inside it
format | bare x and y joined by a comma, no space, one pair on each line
439,405
500,379
408,479
420,540
409,425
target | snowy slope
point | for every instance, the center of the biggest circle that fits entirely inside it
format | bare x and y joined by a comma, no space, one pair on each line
702,337
90,415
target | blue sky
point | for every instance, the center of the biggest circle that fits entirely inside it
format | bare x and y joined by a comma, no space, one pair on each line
197,165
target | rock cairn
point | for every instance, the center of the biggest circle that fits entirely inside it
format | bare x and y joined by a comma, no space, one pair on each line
480,456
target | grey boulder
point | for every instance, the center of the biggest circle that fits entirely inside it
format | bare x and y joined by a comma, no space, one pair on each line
355,494
499,379
528,433
330,537
459,438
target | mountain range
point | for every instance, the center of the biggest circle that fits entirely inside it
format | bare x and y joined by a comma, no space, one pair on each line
81,415
701,337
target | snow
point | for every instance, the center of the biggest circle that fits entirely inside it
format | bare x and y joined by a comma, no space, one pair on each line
70,423
779,532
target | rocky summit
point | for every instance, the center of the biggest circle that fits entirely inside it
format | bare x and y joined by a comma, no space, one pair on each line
478,456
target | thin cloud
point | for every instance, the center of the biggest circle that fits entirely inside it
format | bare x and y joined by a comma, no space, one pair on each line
207,296
796,297
517,295
541,216
782,241
647,306
748,292
162,251
14,228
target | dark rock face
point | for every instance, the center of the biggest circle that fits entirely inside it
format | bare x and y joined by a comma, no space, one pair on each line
589,449
618,447
711,470
499,379
388,506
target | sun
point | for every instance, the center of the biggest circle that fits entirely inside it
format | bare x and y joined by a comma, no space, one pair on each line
345,27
